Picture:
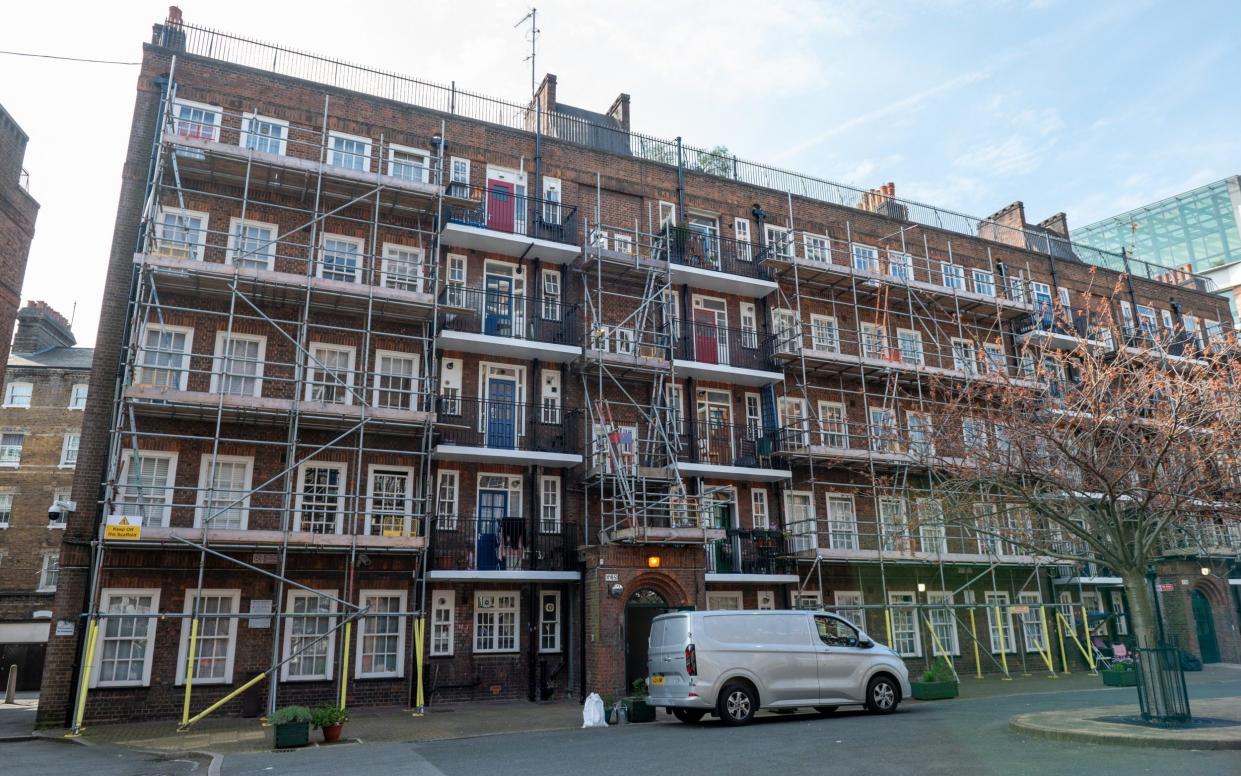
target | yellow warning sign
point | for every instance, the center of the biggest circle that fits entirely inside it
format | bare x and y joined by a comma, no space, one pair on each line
123,528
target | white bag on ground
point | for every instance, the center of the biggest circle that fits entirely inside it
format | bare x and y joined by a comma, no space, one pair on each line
592,712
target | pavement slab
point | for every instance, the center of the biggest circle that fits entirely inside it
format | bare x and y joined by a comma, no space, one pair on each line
1091,725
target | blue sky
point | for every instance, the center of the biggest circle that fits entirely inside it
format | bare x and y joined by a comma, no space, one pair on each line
1087,107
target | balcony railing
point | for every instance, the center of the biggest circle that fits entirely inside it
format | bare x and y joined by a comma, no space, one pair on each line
707,343
758,551
912,350
1058,319
724,444
507,425
502,314
693,248
1172,343
499,207
503,543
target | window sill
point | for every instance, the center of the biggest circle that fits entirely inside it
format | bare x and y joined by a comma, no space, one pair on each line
373,677
15,406
69,466
306,679
54,526
45,590
496,652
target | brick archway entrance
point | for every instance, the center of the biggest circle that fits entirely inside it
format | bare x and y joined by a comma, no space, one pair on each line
653,595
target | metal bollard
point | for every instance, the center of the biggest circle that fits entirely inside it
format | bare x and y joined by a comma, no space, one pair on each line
10,692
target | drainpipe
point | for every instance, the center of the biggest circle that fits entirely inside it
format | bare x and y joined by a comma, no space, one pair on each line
760,216
680,183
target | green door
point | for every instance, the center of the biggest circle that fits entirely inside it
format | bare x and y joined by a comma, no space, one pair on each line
1204,626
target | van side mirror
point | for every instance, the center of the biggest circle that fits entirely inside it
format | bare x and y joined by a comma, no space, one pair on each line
865,644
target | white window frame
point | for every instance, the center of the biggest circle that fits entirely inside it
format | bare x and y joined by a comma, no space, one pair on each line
282,142
949,623
235,225
1000,598
760,507
168,487
873,342
903,603
900,265
458,182
552,292
46,569
864,258
987,285
183,373
849,533
446,520
5,462
205,477
515,610
803,527
408,526
817,247
286,650
105,597
954,273
824,333
313,368
188,251
1031,620
749,324
552,210
549,396
919,355
800,597
443,601
321,251
217,114
544,622
6,511
340,496
78,395
71,444
391,256
550,500
827,436
399,673
184,641
741,232
778,237
714,597
415,378
1117,600
11,389
450,387
219,359
425,155
857,617
333,135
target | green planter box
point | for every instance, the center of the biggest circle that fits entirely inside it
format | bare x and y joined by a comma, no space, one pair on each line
1120,678
934,691
639,711
291,734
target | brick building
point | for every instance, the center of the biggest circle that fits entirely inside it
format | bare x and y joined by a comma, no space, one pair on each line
41,420
397,355
18,211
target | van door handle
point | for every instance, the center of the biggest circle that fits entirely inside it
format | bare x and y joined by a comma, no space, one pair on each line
669,658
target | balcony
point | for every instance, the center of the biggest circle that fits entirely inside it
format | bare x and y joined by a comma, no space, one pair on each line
723,451
758,556
1179,347
501,431
468,547
372,533
499,221
696,258
493,322
735,356
1064,328
842,442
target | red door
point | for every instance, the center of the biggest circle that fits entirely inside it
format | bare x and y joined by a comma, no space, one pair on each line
500,201
705,348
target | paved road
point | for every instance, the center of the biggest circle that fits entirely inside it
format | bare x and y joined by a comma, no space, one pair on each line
53,758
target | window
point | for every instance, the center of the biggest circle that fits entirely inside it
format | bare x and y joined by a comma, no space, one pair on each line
181,234
320,498
749,325
741,230
18,394
953,275
667,214
49,572
894,525
766,599
1032,622
401,268
443,620
549,499
778,241
984,282
196,121
996,360
330,374
834,425
69,451
1016,288
454,294
164,360
340,258
77,397
817,248
847,598
147,489
349,151
753,416
11,450
495,621
799,514
551,201
918,426
381,635
6,509
238,366
459,177
720,600
410,164
931,531
824,335
396,378
997,604
308,636
865,258
906,636
758,508
390,501
216,644
943,624
807,599
549,621
551,295
873,344
963,356
1118,609
224,492
126,642
264,134
841,523
446,499
251,245
883,433
1067,609
550,399
909,342
973,434
788,331
900,265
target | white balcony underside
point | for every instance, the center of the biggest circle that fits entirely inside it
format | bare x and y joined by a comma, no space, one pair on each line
444,452
1059,341
655,535
492,345
503,576
1155,354
723,282
1099,581
884,366
154,400
874,556
753,579
723,373
743,473
299,539
508,244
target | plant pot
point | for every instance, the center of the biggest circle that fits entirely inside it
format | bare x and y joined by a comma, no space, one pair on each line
331,733
1120,678
291,734
934,691
639,710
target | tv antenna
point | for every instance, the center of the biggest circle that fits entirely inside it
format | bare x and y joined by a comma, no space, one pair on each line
533,35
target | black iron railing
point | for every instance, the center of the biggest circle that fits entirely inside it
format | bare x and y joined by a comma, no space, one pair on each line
1057,319
503,314
499,207
689,247
725,444
710,344
506,425
1176,343
499,543
757,551
1161,685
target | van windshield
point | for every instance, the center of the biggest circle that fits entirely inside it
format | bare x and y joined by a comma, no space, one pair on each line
669,631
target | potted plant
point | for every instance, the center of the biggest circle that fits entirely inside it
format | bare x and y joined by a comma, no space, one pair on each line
938,682
1120,675
330,719
636,707
290,726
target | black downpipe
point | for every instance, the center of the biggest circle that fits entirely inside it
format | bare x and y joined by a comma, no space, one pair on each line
581,638
680,182
1133,294
532,628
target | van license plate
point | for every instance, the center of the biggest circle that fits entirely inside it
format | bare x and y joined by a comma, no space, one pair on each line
657,680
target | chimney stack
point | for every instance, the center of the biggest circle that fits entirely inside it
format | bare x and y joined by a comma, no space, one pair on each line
41,328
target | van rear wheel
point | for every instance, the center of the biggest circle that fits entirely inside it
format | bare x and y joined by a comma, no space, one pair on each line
737,703
689,716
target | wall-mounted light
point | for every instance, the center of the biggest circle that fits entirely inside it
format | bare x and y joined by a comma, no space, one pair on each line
1206,572
653,561
921,587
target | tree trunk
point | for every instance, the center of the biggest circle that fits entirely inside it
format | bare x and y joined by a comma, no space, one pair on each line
1142,623
1161,683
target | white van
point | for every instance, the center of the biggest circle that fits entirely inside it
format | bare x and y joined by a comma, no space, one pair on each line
733,663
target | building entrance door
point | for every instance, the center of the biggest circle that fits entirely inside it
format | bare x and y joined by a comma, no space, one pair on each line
1204,626
643,606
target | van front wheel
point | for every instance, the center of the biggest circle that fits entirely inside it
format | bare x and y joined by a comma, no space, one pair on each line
689,716
882,695
737,703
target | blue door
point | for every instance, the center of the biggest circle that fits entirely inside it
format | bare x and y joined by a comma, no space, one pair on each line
492,508
502,413
498,306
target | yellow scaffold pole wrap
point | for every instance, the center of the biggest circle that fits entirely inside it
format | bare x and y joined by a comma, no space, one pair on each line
92,635
1064,659
344,665
887,618
419,632
977,656
939,645
222,701
1045,650
189,671
1073,635
1086,632
999,628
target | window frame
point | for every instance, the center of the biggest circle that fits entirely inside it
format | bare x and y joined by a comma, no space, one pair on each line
9,390
759,494
447,521
945,598
287,636
219,357
46,568
448,625
907,604
21,448
850,614
989,278
73,396
515,610
550,484
920,355
554,622
299,498
415,377
232,249
1033,600
956,272
246,133
184,639
183,373
861,261
313,366
367,145
391,161
1001,599
321,252
206,475
409,526
389,255
196,250
216,125
148,660
6,513
728,595
66,448
168,488
399,673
